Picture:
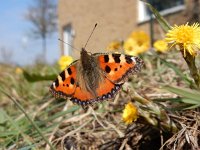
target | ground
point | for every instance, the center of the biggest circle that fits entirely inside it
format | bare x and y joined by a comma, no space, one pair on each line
165,120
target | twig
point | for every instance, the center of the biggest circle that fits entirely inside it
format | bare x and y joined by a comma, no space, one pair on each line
123,144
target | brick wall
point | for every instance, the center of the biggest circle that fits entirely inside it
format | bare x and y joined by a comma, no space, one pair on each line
116,20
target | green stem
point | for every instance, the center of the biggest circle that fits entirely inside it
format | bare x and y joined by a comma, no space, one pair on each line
28,117
190,60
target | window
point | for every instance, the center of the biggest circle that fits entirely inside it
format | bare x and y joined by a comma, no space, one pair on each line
163,6
68,38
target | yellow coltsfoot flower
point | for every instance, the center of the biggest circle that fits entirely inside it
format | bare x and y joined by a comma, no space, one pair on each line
132,47
115,45
130,113
65,61
141,37
187,37
129,47
18,70
137,43
160,46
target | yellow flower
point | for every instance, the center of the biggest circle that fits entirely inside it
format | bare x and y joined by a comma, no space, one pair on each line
160,46
185,36
133,47
141,37
18,70
115,45
65,61
130,113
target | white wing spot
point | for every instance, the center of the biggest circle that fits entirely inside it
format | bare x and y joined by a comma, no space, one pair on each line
111,60
133,58
122,58
54,85
60,79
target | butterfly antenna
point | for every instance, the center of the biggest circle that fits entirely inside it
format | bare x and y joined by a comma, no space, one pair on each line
69,44
90,35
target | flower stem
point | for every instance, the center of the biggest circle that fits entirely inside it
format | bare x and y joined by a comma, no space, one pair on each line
190,60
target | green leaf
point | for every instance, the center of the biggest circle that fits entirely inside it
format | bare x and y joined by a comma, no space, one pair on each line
8,133
193,106
188,96
38,77
164,24
28,147
177,99
190,101
2,119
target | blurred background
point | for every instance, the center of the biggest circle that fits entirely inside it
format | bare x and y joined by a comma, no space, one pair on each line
30,29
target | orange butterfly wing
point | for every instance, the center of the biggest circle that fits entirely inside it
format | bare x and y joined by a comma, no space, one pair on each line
118,67
65,84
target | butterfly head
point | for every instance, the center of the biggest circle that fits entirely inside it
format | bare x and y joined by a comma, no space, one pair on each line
87,60
84,53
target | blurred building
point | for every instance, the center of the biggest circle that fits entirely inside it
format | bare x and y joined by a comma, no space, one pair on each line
116,20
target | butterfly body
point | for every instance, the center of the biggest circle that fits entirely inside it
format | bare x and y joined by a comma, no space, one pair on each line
95,77
89,73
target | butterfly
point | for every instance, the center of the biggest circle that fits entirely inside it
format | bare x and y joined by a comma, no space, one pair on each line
95,77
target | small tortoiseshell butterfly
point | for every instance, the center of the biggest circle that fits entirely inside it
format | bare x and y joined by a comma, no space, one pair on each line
95,77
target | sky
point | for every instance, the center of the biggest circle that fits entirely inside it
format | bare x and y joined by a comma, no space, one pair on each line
15,40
